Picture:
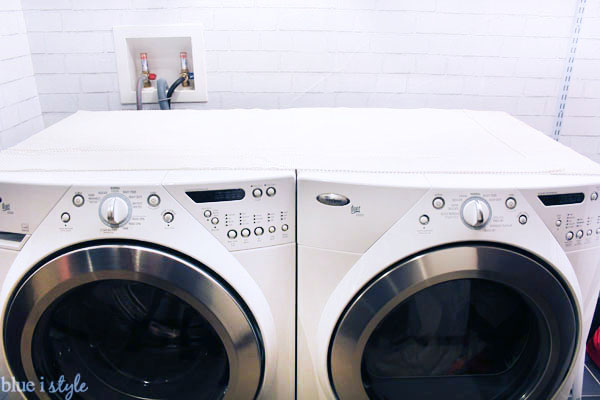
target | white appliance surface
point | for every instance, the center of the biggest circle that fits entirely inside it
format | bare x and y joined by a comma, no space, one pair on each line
368,140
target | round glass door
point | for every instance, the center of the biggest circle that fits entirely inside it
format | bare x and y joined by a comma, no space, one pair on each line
131,338
477,334
491,323
132,323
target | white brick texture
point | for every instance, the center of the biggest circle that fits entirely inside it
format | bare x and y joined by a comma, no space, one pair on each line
20,113
479,54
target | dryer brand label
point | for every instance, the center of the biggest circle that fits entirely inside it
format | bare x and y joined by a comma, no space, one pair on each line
333,199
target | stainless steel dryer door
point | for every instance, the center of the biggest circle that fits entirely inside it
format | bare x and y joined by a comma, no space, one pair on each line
473,321
135,323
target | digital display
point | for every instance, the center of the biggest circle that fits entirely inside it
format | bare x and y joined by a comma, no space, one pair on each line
213,196
561,199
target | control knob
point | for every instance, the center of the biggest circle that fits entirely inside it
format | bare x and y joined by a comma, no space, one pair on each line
114,211
476,212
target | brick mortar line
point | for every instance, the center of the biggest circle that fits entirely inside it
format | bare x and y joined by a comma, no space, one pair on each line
20,123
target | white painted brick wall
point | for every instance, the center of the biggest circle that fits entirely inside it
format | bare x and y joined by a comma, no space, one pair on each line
479,54
20,113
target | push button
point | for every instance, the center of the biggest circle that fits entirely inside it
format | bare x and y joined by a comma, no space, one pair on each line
207,213
522,219
579,234
271,229
511,203
438,203
258,231
153,200
65,217
569,235
214,221
168,217
245,232
78,200
232,234
271,191
257,193
424,219
285,227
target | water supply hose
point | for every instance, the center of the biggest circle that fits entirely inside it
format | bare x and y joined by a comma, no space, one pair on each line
138,92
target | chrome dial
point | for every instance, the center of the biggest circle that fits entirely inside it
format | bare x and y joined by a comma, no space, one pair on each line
115,210
476,212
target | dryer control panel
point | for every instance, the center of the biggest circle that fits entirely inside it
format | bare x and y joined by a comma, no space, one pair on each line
573,216
474,210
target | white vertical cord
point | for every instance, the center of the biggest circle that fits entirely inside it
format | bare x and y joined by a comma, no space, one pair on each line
569,61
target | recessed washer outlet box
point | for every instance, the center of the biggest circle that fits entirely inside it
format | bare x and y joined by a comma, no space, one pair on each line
162,44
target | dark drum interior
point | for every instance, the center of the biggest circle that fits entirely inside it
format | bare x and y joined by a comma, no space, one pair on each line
131,338
463,339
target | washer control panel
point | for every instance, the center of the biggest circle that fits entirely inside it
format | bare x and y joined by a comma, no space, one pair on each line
243,214
109,210
240,214
573,217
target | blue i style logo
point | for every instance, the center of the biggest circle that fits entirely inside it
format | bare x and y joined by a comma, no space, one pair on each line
59,386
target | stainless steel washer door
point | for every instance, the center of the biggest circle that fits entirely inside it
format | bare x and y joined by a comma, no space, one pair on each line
473,321
135,323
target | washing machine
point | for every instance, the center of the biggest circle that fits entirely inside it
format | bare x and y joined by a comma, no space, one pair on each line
443,275
148,284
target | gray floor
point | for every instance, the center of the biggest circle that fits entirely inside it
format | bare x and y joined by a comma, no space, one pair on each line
591,380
